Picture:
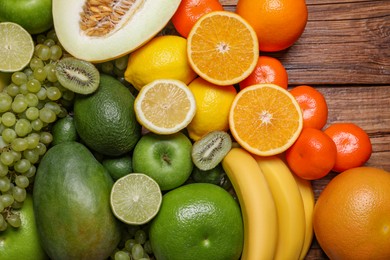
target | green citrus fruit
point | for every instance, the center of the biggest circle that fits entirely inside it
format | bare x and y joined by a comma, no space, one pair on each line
22,243
197,221
135,198
118,166
64,130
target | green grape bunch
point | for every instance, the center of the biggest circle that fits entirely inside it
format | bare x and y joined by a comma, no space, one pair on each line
29,105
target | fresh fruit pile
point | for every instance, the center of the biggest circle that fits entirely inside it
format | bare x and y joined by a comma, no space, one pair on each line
153,130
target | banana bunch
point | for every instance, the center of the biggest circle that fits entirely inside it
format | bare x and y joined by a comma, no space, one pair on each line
276,206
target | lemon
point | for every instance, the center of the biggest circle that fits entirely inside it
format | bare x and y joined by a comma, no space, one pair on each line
162,57
135,198
165,106
212,107
16,47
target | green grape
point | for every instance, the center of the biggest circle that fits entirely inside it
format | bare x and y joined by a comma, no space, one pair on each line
121,255
7,200
121,63
7,158
33,85
3,170
51,72
1,210
22,166
140,236
33,140
13,220
42,94
52,35
56,52
148,247
68,95
47,115
32,99
43,52
53,106
31,172
19,78
12,89
41,148
19,194
49,42
8,119
23,89
17,155
19,144
19,105
37,125
31,155
46,138
8,135
40,74
32,113
17,204
137,252
29,73
129,244
5,102
35,63
23,127
41,38
5,184
22,181
107,67
53,93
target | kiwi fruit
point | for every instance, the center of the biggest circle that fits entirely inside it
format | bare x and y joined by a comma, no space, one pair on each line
77,75
208,151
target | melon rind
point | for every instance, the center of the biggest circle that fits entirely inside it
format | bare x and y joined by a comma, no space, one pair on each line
144,25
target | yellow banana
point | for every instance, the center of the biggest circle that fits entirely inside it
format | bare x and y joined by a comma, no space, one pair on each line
257,205
289,206
307,193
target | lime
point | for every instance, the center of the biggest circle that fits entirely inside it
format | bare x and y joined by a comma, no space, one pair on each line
197,221
118,166
135,198
16,47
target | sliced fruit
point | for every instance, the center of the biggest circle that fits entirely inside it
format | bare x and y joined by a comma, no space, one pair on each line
135,198
265,119
165,106
222,48
16,47
99,30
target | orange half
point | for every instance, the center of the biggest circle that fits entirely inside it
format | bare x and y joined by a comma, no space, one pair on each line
265,119
222,48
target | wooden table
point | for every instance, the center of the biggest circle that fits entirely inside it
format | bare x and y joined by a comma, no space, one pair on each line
345,53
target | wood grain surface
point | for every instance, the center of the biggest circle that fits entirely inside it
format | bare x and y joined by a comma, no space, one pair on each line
345,53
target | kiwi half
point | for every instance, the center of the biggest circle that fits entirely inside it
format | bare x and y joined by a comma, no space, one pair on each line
77,75
209,151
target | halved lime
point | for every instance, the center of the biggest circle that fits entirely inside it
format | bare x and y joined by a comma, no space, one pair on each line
16,47
135,198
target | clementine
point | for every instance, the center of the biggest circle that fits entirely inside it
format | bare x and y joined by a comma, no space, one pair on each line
278,23
313,104
353,145
313,154
267,70
351,216
189,11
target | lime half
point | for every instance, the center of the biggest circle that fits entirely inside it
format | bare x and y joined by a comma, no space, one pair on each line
135,198
16,47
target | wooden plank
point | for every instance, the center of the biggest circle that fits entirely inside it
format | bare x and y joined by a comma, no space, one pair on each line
344,42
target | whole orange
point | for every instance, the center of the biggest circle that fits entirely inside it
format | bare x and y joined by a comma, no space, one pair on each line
351,217
278,23
268,70
313,154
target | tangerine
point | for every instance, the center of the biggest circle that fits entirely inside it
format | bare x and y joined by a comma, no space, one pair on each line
267,70
353,145
278,23
189,11
351,216
313,154
313,104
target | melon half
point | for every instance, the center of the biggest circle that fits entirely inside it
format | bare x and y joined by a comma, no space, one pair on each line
101,30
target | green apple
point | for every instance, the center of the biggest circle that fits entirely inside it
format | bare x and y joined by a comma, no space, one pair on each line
33,15
165,158
22,243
